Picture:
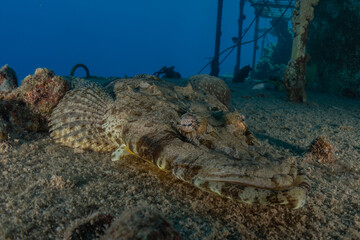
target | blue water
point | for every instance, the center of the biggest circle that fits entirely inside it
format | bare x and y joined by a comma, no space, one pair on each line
114,38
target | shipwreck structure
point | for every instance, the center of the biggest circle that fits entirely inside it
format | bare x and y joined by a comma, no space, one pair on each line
270,9
295,74
301,12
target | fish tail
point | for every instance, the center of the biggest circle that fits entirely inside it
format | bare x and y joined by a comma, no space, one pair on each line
77,120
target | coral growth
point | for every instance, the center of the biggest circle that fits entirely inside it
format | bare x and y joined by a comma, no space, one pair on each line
29,106
321,150
295,88
334,38
282,50
269,72
41,92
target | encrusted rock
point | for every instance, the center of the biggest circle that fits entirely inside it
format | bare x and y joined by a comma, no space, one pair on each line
4,147
141,223
91,227
3,129
17,117
42,91
31,104
8,79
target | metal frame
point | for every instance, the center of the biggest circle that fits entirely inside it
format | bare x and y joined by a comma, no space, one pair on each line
263,8
273,8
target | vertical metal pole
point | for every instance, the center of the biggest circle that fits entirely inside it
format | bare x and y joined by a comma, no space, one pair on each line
262,47
215,62
256,34
240,22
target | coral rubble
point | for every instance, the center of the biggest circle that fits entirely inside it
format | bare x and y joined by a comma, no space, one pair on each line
321,150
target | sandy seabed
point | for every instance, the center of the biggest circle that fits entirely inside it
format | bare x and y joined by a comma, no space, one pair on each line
45,188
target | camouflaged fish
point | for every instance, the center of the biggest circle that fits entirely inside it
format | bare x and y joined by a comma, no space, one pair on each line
191,134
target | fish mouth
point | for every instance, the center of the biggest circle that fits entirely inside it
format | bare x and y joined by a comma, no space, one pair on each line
267,176
275,176
261,183
290,192
274,184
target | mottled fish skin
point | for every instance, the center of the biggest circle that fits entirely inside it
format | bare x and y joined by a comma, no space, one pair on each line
211,85
143,120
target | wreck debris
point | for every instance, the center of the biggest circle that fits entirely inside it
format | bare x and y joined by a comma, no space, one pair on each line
80,65
239,73
295,73
215,62
167,72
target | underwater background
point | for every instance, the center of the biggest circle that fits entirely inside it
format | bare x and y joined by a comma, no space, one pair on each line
295,113
114,38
